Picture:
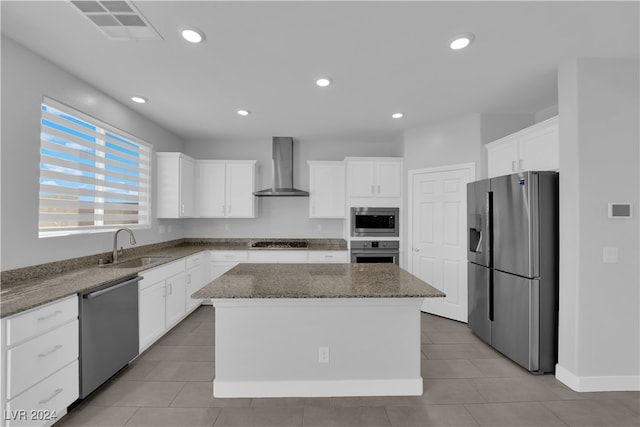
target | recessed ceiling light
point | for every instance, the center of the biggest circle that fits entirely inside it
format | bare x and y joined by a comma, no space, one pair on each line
243,112
397,115
323,82
139,99
461,41
191,34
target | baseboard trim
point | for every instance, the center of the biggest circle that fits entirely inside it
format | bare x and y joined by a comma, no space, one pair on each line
331,388
599,383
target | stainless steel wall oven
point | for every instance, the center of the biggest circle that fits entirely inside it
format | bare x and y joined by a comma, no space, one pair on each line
375,222
367,251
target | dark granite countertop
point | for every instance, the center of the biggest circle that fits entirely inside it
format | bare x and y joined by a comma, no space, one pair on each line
317,281
29,287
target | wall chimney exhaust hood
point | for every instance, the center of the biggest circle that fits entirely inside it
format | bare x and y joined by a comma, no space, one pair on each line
282,181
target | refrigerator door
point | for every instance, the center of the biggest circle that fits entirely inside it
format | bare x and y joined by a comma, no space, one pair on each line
515,328
479,298
478,223
515,224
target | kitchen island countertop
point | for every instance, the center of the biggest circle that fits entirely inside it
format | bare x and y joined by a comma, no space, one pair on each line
317,281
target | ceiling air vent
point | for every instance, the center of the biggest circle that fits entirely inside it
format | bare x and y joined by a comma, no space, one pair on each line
118,20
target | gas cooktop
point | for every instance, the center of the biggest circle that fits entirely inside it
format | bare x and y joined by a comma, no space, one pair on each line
267,244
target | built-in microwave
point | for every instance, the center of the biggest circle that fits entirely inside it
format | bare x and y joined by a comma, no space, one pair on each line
375,222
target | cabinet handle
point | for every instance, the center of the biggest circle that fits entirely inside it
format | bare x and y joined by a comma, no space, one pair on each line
48,316
513,165
182,208
328,256
222,209
55,393
53,350
521,164
189,278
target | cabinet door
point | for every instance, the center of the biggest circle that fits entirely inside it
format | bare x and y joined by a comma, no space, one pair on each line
240,188
152,313
211,188
176,301
539,149
388,179
361,178
326,190
187,187
195,280
503,158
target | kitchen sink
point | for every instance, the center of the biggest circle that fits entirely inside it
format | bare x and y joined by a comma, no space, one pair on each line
140,262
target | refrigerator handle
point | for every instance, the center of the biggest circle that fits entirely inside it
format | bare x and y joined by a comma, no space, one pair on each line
490,295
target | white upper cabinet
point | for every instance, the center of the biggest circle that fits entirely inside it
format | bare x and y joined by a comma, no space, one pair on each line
224,188
533,148
327,189
374,178
176,185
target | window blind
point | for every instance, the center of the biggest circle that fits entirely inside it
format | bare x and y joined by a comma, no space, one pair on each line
93,177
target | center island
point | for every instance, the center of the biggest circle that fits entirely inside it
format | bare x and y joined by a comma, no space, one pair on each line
317,330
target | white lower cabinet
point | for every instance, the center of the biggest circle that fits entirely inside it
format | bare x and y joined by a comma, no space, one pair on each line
222,261
40,363
278,256
161,301
195,278
328,256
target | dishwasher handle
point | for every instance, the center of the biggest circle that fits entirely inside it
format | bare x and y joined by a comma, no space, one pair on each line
111,288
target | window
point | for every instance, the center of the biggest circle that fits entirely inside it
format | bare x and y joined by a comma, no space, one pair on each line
93,177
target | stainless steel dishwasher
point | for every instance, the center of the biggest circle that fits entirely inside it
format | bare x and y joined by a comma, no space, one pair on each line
108,331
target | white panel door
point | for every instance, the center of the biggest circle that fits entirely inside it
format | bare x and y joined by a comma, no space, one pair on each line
438,237
211,187
240,187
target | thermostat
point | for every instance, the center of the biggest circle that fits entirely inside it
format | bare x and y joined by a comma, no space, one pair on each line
619,210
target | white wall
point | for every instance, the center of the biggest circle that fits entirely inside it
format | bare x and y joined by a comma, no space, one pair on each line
455,141
280,216
26,77
599,321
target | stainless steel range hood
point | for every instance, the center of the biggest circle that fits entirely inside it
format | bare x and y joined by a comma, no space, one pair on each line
282,181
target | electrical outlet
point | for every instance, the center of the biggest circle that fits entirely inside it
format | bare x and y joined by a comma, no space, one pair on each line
323,354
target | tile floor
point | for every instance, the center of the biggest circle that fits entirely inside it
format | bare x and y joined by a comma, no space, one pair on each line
466,383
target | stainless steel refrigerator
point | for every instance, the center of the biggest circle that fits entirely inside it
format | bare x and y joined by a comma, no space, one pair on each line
513,266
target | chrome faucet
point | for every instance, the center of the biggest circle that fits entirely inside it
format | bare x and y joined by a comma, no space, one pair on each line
116,252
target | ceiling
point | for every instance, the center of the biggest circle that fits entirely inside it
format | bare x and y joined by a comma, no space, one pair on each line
382,57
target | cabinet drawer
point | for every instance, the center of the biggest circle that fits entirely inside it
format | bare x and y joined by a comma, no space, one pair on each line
154,275
226,256
328,256
47,401
195,260
30,324
278,256
33,360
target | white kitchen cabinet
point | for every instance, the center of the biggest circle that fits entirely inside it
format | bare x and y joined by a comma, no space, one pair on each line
328,257
284,256
161,301
225,188
533,148
327,189
195,278
40,363
222,261
176,186
374,178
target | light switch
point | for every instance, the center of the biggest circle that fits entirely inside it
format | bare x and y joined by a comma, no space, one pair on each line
610,255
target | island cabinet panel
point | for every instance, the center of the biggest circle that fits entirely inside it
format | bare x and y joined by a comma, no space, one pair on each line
311,347
40,363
